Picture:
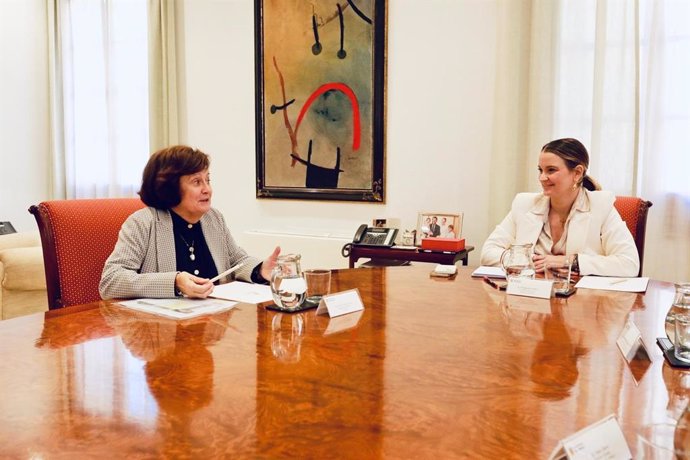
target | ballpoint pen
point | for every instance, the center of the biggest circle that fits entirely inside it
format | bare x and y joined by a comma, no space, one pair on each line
226,272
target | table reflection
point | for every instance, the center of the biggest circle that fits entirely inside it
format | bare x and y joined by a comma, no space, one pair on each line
564,331
315,388
179,367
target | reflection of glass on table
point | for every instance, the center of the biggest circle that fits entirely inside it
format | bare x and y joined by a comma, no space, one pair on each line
662,441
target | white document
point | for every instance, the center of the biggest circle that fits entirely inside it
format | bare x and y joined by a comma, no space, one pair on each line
491,272
530,288
340,303
179,307
610,283
602,440
243,292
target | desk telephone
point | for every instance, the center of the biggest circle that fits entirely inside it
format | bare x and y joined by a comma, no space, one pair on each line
371,236
374,236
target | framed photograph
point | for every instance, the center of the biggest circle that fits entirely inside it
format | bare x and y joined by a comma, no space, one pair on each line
320,84
438,225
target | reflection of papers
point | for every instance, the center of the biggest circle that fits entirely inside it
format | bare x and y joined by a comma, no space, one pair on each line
609,283
529,304
243,292
179,308
297,285
491,272
343,322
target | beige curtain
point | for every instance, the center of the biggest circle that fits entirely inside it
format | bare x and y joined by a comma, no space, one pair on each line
57,186
163,108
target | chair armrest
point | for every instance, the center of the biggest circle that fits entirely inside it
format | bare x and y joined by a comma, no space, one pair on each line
19,240
21,269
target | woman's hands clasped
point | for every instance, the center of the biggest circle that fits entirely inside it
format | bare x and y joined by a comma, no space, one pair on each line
540,261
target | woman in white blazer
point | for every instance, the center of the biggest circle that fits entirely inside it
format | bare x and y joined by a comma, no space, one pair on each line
179,242
571,219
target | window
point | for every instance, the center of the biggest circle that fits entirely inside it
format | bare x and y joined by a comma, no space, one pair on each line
102,64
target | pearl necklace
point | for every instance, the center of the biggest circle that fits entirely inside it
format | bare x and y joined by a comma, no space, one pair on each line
190,247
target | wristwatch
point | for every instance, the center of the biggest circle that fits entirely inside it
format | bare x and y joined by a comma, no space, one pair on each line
575,266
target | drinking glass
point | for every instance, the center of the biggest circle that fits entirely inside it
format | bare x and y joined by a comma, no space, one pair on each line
318,284
559,273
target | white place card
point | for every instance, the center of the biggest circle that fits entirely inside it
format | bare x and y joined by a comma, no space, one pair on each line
630,341
530,288
603,440
340,303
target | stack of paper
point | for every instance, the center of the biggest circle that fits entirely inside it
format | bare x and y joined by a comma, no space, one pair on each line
489,272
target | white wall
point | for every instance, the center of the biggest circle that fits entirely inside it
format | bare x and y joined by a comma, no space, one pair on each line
441,71
24,140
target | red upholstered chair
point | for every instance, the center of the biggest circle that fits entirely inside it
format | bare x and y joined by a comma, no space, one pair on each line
633,211
77,237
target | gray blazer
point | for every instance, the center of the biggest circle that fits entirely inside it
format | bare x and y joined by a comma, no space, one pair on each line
143,263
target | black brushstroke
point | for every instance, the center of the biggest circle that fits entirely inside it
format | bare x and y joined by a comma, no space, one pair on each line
316,47
341,52
275,108
359,12
318,176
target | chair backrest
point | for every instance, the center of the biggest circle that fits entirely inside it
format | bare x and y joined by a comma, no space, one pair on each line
633,211
77,237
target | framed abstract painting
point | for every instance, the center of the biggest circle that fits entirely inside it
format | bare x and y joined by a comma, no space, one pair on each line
320,99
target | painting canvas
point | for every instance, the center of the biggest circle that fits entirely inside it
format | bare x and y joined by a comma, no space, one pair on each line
320,69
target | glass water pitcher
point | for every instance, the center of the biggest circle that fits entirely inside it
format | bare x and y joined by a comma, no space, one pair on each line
517,261
680,306
287,283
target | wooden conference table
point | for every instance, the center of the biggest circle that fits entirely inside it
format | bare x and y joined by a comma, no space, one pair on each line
433,368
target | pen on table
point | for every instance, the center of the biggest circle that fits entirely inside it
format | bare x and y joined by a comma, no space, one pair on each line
226,272
490,282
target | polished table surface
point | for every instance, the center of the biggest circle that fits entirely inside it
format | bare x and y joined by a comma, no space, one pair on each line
433,368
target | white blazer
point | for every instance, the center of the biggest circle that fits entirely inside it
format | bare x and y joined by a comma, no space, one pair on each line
599,237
